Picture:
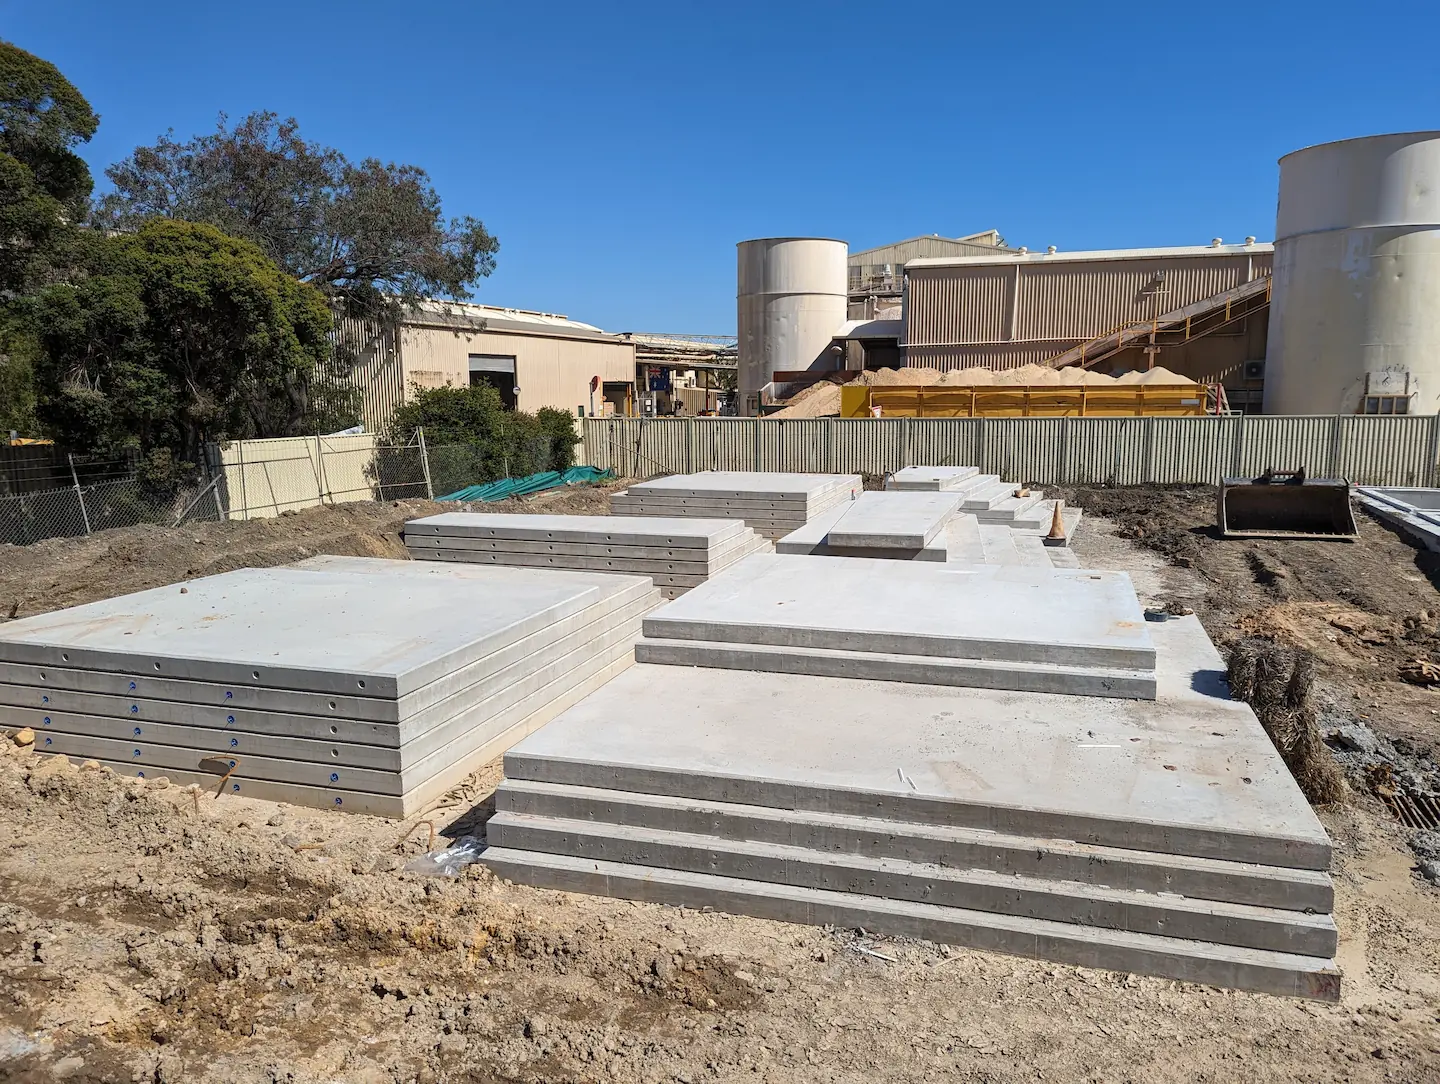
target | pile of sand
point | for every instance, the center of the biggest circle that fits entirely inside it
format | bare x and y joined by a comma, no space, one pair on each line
822,400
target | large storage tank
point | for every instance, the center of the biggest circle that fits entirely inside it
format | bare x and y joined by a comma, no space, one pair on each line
790,302
1355,315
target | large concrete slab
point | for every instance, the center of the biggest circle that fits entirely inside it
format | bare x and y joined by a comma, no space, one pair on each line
314,629
1191,773
750,485
895,521
1262,971
930,478
813,539
940,845
636,597
1038,677
1062,616
651,532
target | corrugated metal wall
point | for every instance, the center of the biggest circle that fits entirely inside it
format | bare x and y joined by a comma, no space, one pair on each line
377,371
1005,315
1368,450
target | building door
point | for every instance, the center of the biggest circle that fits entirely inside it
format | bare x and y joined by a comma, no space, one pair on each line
497,370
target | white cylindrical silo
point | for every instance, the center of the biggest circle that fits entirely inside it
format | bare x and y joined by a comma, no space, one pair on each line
790,302
1356,303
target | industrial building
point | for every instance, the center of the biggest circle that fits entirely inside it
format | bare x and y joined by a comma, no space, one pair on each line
534,359
876,277
1354,279
1200,311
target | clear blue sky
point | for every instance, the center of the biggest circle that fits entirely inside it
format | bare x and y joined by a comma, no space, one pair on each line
620,150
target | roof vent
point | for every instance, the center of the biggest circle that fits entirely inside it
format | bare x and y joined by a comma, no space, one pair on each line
1250,240
1215,242
1050,251
1022,250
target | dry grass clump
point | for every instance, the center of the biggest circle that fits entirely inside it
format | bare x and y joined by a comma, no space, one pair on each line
1276,681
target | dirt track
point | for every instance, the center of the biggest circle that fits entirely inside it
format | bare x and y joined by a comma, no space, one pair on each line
150,933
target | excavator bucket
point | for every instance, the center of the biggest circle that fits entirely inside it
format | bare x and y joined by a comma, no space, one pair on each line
1285,504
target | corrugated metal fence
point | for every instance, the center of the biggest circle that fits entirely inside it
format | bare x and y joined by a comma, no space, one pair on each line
1368,450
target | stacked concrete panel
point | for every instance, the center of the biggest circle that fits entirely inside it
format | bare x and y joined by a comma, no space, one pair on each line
676,553
773,504
371,686
985,496
1077,632
1163,837
904,526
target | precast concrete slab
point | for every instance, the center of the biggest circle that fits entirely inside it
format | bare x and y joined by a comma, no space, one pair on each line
1190,773
750,485
941,845
812,539
1067,617
635,596
601,557
652,533
1257,970
894,521
1082,903
982,498
1414,511
1039,677
422,795
309,629
926,479
364,769
333,739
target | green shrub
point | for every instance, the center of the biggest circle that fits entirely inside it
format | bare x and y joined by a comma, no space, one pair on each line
471,438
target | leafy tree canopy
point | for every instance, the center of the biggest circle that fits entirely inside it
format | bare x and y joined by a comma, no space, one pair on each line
360,231
44,184
175,334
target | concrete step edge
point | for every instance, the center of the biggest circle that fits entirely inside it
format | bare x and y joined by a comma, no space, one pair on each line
1256,970
903,808
1074,902
1264,885
1065,678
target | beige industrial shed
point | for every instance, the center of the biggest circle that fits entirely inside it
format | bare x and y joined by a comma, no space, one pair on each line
1019,307
533,359
876,275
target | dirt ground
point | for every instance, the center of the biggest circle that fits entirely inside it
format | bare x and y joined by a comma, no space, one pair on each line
152,933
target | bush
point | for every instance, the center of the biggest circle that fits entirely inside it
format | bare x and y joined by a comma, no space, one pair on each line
559,428
471,438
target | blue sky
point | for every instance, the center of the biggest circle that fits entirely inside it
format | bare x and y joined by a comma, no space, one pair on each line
619,151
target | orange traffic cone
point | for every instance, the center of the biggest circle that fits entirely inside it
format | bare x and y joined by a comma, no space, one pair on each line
1056,537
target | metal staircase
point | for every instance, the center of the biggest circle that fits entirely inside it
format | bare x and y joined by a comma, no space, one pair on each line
1172,328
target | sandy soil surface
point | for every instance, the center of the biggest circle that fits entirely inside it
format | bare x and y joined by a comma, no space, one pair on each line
154,933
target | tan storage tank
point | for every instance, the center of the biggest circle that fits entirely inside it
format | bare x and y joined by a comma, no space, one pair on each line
790,301
1355,315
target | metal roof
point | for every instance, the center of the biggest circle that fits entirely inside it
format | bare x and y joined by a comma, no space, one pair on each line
968,241
1092,256
465,314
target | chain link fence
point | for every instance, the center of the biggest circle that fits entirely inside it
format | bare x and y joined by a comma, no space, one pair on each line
101,494
244,480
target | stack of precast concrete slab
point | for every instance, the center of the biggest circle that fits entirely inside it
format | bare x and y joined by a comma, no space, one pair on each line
1079,632
984,496
1093,796
773,504
367,685
884,525
677,554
